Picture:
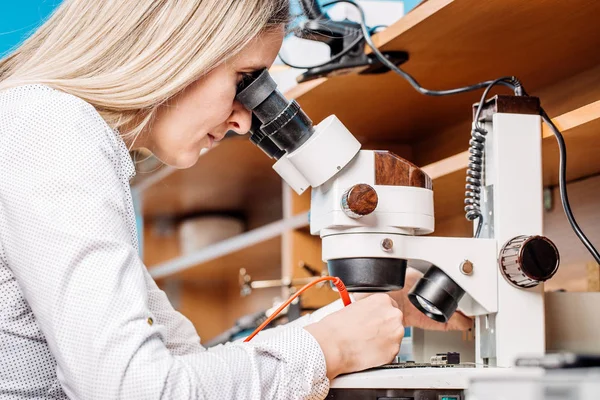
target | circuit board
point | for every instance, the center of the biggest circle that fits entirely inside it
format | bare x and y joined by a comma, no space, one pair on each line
402,365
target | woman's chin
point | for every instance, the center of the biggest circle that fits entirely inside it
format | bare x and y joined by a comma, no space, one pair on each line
181,160
187,161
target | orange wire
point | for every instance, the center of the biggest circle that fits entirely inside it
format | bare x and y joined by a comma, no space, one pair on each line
336,281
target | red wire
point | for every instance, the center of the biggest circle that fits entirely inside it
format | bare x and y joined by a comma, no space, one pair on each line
336,281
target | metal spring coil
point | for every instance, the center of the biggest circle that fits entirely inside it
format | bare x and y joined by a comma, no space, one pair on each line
475,172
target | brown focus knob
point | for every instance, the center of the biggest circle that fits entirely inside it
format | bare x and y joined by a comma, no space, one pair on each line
526,261
359,200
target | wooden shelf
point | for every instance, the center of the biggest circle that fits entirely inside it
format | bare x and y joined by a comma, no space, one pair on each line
581,131
235,175
454,43
259,251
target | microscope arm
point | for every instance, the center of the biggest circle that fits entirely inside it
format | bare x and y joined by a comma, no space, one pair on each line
448,254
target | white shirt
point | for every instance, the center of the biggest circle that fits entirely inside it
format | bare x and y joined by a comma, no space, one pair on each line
75,298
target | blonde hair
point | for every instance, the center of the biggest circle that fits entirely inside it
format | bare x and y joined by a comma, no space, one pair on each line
127,57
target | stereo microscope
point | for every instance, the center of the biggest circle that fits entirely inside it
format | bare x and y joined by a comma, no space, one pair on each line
374,212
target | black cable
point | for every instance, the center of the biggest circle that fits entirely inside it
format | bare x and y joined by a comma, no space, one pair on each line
489,84
331,60
562,184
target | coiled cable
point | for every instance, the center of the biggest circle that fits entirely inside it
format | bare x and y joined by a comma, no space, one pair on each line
474,180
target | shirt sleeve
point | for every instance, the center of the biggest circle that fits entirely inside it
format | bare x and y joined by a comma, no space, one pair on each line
181,335
68,243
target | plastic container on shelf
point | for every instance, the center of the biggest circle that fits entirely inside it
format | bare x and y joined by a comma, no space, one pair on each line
200,232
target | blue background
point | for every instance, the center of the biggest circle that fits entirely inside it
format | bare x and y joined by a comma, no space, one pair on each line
19,18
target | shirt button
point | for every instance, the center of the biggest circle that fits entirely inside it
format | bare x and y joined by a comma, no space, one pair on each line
150,321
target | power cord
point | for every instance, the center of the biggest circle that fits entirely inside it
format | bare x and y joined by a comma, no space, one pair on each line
478,133
336,281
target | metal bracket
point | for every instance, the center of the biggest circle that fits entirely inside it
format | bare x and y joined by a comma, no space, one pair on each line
487,212
487,344
247,284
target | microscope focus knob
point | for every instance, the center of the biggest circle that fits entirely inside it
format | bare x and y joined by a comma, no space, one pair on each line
359,200
526,261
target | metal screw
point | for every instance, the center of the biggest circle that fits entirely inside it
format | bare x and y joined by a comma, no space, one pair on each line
387,245
466,267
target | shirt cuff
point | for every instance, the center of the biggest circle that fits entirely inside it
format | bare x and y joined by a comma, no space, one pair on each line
322,312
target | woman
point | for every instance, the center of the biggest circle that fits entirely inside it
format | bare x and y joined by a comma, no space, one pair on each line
80,317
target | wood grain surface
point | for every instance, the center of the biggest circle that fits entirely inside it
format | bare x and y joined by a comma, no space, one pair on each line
395,171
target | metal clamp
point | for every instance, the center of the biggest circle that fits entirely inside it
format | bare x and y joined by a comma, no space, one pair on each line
247,285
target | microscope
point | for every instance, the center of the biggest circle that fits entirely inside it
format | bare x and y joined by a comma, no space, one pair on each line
374,212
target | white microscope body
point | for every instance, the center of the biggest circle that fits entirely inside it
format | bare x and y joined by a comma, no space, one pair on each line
375,214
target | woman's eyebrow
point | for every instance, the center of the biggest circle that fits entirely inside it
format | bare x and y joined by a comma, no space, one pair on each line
254,66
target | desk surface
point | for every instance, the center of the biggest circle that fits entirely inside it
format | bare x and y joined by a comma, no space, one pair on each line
427,378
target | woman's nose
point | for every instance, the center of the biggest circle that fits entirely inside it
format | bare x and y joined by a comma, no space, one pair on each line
240,120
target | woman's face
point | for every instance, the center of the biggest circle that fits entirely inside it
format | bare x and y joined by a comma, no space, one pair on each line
207,109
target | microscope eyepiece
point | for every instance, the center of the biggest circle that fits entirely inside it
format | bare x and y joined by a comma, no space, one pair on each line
282,122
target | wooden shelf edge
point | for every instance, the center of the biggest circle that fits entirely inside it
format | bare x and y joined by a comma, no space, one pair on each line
303,88
447,166
574,118
408,21
237,243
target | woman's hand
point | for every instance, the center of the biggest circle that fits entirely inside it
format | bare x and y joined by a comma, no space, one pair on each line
365,334
415,318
